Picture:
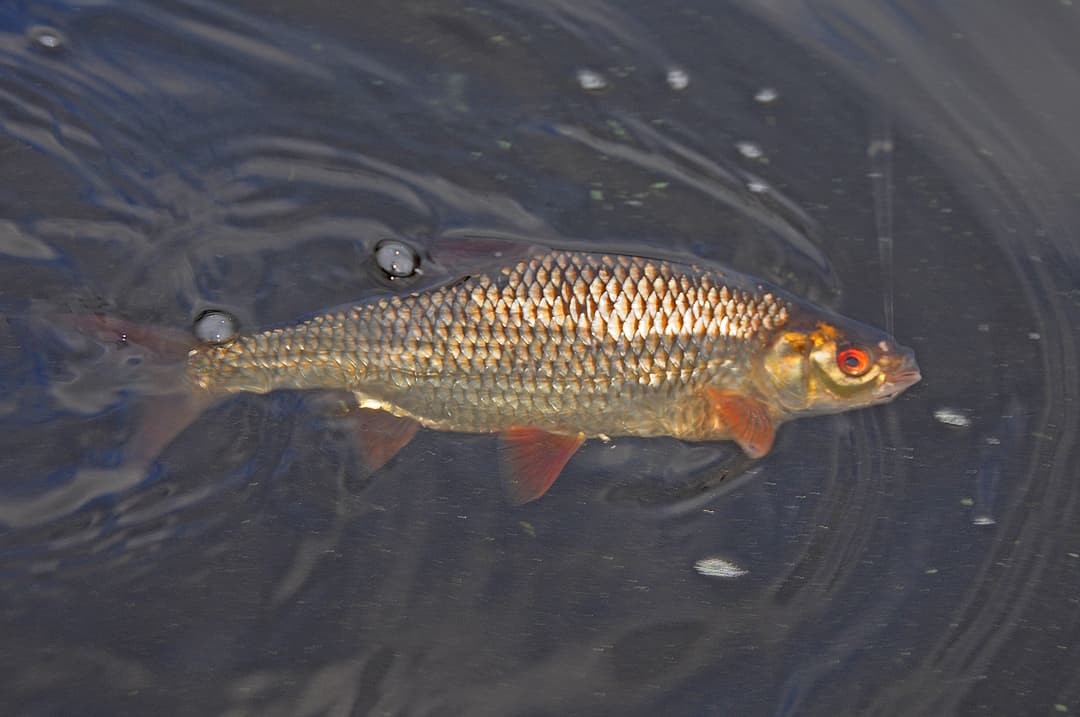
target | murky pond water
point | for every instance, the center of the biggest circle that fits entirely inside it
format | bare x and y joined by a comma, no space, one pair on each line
899,163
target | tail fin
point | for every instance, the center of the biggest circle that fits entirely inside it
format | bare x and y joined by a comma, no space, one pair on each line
141,364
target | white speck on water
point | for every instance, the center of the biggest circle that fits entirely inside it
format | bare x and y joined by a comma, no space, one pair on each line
719,568
590,80
952,417
1034,335
984,328
749,150
879,146
766,95
983,520
757,186
677,78
46,38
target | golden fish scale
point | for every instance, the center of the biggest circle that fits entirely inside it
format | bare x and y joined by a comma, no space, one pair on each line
566,341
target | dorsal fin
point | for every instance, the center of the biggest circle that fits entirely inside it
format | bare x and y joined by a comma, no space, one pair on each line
453,258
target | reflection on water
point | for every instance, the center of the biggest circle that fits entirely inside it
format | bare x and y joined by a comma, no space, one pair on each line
161,160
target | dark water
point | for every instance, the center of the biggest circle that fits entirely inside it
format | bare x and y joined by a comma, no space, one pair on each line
911,164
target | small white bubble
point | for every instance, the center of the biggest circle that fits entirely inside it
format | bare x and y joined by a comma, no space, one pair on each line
983,520
766,95
677,78
1034,335
983,328
750,150
952,417
719,568
46,38
591,80
757,186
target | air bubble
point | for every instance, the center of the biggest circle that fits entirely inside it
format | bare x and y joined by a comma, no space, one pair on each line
215,327
591,80
396,258
678,79
47,39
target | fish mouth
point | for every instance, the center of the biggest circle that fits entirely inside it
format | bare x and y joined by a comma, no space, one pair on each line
903,378
903,374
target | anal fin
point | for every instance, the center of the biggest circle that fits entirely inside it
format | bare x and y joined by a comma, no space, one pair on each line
533,459
746,418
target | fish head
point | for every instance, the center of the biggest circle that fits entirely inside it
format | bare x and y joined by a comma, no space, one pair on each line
835,364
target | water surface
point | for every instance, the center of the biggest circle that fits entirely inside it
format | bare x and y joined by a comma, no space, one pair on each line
895,161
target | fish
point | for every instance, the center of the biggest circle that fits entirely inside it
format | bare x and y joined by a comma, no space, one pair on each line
548,348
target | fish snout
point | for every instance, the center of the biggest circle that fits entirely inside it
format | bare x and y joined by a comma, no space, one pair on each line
901,372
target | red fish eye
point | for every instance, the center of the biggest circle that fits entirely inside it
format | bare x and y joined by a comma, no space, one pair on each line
853,361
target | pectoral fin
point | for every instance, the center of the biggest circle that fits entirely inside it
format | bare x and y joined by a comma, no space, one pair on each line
380,435
746,418
533,459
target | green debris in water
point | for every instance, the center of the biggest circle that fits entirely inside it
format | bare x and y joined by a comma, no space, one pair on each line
618,130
